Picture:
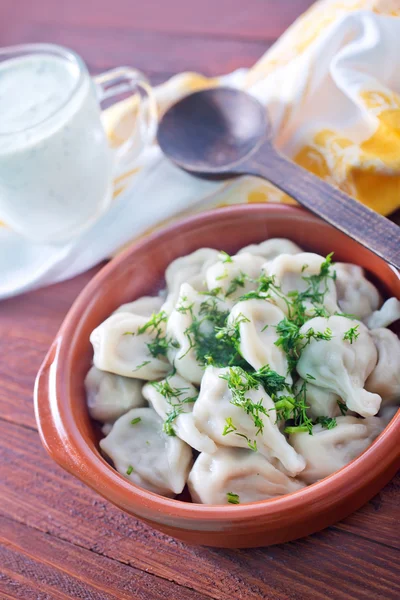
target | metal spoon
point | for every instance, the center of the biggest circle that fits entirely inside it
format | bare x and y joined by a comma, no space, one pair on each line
226,132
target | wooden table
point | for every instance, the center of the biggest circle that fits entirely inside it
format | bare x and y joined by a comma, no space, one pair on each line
58,538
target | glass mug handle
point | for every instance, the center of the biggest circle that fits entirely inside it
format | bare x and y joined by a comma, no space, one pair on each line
120,81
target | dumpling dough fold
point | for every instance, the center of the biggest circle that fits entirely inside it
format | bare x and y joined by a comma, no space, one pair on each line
289,273
236,275
177,392
272,248
244,473
121,349
109,396
145,455
356,295
339,365
189,269
328,450
385,378
257,321
215,414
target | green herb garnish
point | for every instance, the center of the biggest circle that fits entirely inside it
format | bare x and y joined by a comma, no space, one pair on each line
232,498
327,422
173,397
136,420
351,334
129,470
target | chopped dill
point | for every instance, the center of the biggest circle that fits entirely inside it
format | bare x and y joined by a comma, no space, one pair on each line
154,326
229,427
293,342
224,257
351,334
232,498
214,341
237,282
173,396
143,364
301,421
327,422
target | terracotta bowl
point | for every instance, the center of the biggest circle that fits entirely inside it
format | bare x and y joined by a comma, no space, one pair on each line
69,435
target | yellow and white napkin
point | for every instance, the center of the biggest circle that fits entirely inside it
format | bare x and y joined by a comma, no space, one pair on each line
331,85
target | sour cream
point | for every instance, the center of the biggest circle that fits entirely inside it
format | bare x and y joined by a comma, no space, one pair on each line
55,162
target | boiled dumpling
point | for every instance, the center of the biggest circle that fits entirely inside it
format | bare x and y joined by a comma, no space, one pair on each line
328,450
192,307
188,269
257,321
231,425
145,455
120,347
356,295
321,402
386,315
340,365
109,396
387,413
176,396
272,248
290,273
144,306
235,275
385,378
235,475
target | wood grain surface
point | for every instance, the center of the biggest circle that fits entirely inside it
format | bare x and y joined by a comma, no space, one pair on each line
58,539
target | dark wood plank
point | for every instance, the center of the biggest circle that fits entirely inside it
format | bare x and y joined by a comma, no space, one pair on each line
30,485
253,19
106,47
32,562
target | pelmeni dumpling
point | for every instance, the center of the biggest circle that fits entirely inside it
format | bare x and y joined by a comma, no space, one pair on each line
230,425
257,320
321,402
385,378
109,396
145,455
182,354
235,275
176,396
388,313
328,450
121,348
387,413
340,365
188,269
272,248
356,295
289,272
239,475
144,306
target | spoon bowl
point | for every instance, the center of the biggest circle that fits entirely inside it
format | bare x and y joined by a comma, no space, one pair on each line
214,130
225,132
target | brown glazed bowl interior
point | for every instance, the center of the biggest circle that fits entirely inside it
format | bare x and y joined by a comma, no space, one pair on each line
69,436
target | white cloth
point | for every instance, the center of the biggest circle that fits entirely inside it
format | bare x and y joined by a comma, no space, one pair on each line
328,93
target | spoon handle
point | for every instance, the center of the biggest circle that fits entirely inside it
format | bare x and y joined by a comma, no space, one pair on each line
331,204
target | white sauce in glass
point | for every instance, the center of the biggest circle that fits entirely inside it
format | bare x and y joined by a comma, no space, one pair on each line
55,162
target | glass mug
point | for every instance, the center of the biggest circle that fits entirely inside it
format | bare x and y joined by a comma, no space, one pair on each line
56,166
